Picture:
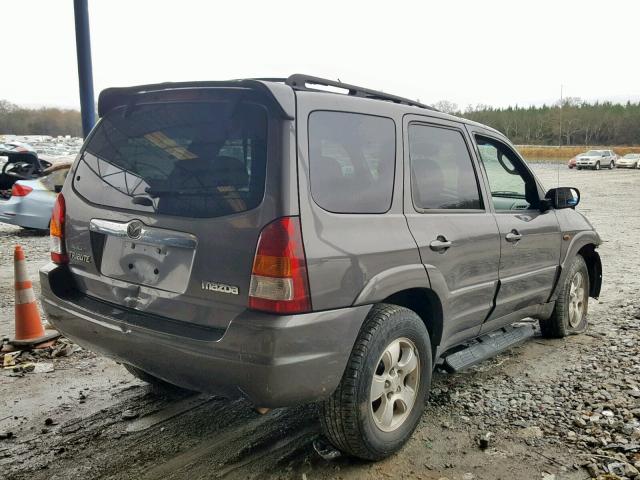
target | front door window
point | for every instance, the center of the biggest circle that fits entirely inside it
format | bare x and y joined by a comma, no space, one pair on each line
512,186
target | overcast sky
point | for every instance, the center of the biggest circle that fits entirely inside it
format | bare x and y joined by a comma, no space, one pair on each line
469,52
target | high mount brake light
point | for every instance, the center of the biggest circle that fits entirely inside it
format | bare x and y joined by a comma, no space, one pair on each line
279,281
56,230
20,190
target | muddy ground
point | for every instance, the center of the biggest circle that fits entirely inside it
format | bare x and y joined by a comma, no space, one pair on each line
561,409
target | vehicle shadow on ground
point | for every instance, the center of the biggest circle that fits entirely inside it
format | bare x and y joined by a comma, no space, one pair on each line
24,232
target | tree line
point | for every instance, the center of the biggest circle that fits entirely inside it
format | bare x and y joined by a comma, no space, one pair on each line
39,121
572,122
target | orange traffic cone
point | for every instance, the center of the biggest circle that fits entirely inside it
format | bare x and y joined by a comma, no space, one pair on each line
29,329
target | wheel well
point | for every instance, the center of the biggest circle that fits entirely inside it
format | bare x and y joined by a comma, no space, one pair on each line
427,305
594,267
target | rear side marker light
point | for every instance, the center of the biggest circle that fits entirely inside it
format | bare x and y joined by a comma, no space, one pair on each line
56,231
279,280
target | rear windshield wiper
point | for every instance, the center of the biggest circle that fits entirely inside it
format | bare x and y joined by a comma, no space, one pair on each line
172,192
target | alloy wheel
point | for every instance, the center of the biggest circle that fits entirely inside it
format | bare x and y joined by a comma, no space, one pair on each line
395,384
577,299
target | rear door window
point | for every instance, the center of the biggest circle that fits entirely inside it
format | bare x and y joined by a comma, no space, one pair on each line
442,173
191,159
352,161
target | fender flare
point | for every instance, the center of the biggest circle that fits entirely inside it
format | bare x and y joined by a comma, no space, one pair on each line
392,280
578,242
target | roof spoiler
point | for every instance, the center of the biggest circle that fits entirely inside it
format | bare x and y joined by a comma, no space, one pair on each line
282,96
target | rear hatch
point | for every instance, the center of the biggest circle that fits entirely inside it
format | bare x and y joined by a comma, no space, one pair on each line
169,195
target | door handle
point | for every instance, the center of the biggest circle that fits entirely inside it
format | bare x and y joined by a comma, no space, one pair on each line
513,236
440,244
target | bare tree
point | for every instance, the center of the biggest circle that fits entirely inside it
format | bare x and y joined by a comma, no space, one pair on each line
447,107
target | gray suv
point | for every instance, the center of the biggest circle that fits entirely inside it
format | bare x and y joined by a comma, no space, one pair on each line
272,240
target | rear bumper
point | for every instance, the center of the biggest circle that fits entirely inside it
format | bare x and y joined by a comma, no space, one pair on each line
273,361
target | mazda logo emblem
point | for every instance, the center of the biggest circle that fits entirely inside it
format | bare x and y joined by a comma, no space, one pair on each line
134,229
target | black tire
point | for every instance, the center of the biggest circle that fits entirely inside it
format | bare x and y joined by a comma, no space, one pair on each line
560,323
347,417
157,385
597,167
578,168
611,165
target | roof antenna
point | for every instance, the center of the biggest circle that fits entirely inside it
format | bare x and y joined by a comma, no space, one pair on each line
560,136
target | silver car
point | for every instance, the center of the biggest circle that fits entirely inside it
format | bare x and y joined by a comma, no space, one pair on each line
597,159
630,160
30,202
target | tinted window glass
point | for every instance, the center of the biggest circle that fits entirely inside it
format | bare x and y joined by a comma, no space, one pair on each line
512,186
442,174
201,159
352,160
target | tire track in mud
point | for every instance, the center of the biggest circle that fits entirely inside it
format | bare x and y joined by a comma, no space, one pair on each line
214,438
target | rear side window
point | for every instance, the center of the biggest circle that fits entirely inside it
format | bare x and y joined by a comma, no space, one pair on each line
352,161
442,174
197,159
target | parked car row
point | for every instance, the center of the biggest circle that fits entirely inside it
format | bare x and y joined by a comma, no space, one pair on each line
597,159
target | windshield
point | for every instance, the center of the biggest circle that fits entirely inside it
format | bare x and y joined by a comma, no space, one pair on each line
632,155
196,159
594,153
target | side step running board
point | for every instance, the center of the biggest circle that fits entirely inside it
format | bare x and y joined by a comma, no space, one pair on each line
488,346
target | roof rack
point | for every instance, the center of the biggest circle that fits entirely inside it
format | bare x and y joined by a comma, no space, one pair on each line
299,81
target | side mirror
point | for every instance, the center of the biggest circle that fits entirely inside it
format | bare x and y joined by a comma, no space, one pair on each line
563,197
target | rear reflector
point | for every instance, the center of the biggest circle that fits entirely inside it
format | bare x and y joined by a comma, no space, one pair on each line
56,230
279,282
20,190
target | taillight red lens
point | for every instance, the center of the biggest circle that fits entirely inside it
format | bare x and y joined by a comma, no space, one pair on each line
56,230
20,190
279,281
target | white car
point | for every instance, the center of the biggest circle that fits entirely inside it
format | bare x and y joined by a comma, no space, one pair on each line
630,160
597,159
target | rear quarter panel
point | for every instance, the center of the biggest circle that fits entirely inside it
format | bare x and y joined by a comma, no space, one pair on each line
354,257
32,210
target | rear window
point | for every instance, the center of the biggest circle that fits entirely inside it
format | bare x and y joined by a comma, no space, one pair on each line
198,159
352,161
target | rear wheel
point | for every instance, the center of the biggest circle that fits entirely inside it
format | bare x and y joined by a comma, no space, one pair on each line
157,385
570,313
611,165
381,397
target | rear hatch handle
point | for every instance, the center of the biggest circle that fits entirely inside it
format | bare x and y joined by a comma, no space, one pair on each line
136,230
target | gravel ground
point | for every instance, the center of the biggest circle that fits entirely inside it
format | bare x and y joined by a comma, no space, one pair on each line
549,409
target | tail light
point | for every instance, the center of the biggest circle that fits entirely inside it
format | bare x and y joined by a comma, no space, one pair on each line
56,230
20,190
279,281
